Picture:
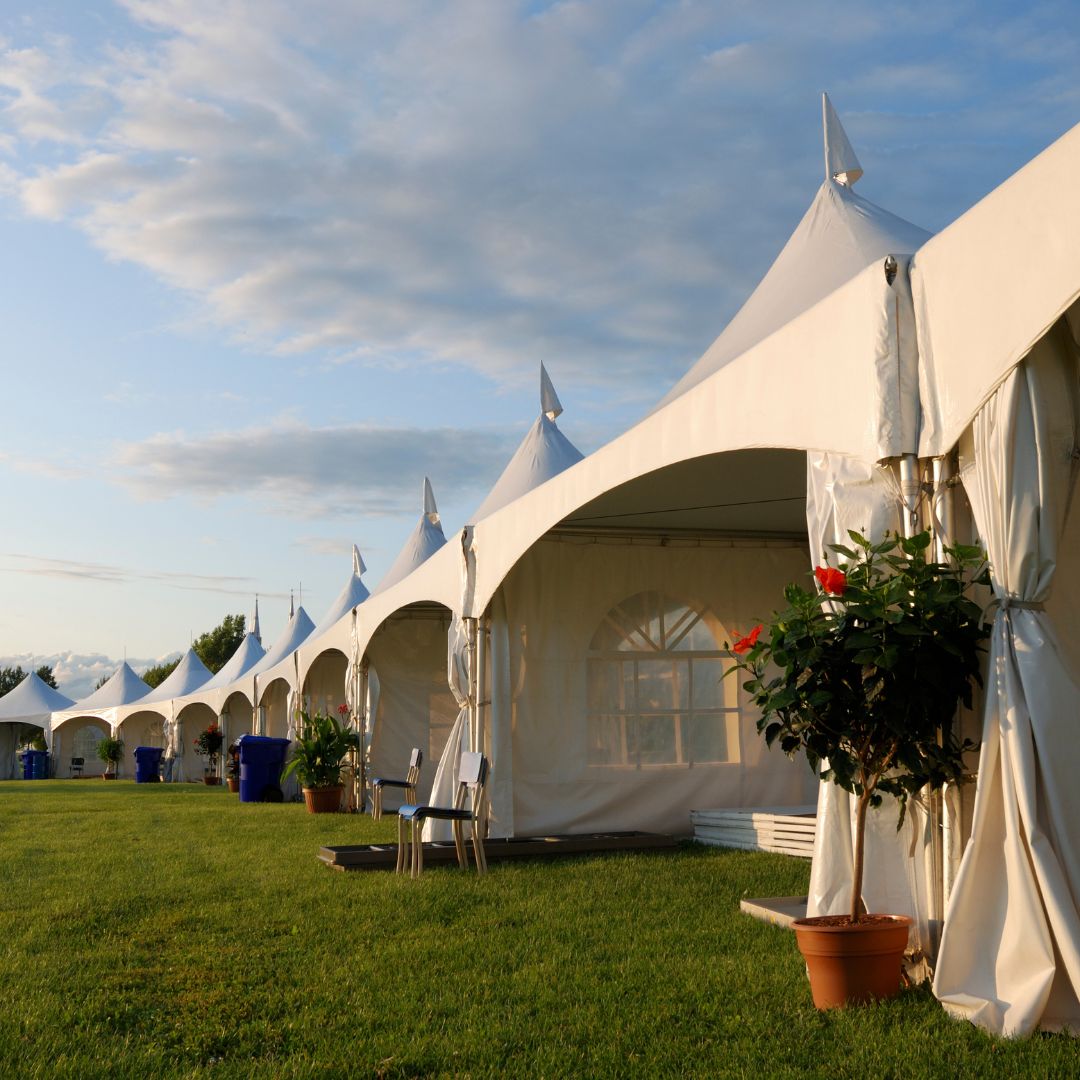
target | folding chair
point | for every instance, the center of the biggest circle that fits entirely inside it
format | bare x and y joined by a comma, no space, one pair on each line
472,781
76,767
416,759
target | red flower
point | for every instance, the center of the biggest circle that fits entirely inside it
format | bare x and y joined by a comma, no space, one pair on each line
342,710
834,582
745,644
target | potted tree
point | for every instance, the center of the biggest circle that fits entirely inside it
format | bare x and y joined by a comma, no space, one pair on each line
111,752
208,745
319,754
232,767
864,675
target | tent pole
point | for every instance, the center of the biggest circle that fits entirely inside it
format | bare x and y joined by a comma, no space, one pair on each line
481,681
909,489
361,753
474,697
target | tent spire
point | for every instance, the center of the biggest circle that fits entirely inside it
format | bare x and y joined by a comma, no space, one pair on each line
430,509
255,621
358,566
841,164
550,405
292,604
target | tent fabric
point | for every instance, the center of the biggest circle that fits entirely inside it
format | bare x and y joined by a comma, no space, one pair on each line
1010,953
297,630
188,676
991,284
353,592
122,688
32,702
423,542
248,653
839,236
543,453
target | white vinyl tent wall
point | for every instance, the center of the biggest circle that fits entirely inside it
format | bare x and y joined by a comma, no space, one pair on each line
575,766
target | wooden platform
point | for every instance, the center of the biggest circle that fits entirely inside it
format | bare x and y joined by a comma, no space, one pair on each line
778,910
384,856
786,829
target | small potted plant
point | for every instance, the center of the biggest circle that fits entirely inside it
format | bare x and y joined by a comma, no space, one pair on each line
319,755
111,752
865,675
208,745
232,767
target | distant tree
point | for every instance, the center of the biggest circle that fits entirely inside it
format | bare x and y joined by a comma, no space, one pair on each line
216,646
102,681
156,675
45,674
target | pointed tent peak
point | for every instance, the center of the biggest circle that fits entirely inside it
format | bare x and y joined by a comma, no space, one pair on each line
358,566
255,631
292,604
431,511
550,405
189,675
841,164
248,653
32,697
122,688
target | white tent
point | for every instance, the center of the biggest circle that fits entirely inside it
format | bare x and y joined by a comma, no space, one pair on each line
77,729
352,593
149,721
26,711
274,679
423,542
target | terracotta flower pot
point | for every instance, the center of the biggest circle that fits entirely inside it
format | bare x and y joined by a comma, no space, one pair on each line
108,776
211,780
233,784
850,964
323,800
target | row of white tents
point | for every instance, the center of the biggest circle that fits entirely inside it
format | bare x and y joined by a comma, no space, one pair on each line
878,378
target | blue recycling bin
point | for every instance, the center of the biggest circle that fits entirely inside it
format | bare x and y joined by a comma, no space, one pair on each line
35,764
261,762
148,764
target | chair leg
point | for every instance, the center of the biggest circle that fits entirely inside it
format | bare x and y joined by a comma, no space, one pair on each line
418,848
459,846
402,844
478,849
376,803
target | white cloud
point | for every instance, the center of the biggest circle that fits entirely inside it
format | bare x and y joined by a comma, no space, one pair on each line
348,470
77,673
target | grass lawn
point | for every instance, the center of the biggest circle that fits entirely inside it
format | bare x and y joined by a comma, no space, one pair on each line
171,931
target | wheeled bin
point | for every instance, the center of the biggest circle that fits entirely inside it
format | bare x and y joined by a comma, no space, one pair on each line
35,764
261,761
148,764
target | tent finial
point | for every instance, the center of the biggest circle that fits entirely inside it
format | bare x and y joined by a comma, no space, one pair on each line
430,509
255,621
550,405
841,164
358,566
292,605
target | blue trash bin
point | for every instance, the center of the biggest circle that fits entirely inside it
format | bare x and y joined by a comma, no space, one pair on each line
147,764
35,764
261,762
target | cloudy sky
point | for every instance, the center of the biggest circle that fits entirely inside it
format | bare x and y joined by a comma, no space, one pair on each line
266,264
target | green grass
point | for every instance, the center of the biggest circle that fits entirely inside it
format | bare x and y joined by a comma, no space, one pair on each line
171,931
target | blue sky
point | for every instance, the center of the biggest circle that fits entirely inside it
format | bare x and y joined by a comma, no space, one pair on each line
267,264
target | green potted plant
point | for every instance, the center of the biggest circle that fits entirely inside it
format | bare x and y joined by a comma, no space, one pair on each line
208,745
232,767
111,752
864,675
319,754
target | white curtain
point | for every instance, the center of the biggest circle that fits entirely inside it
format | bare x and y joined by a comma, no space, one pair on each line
444,786
1010,955
499,732
900,872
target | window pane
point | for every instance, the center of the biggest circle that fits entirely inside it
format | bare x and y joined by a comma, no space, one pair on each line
607,740
713,737
659,685
712,690
698,639
656,740
602,686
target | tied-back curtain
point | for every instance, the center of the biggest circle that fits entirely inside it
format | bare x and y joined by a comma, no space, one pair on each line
900,874
1010,955
444,786
500,728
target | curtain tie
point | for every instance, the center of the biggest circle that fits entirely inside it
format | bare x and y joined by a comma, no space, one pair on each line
1011,603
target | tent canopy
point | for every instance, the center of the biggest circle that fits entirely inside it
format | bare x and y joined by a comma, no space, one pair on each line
424,541
123,688
354,592
32,702
838,237
188,676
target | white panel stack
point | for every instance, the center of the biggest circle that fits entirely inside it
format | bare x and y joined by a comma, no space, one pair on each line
785,829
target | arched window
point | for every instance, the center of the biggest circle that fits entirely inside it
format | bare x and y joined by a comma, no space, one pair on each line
656,688
85,743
